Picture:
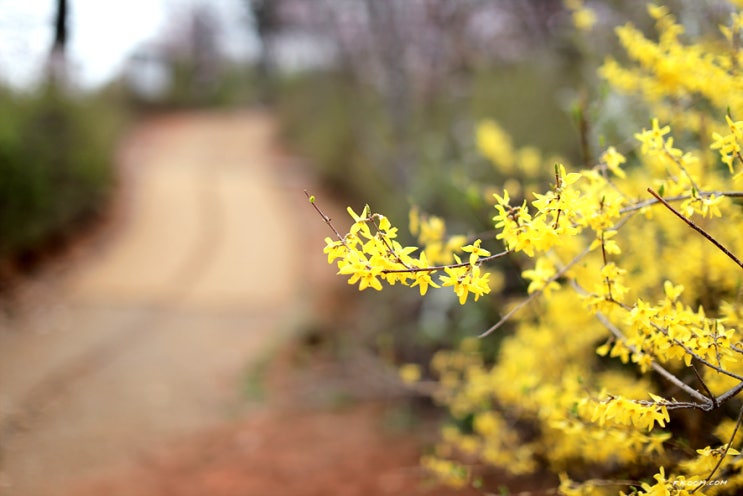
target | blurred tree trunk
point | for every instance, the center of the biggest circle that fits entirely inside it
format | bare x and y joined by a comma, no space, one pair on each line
385,27
60,27
57,57
204,54
267,25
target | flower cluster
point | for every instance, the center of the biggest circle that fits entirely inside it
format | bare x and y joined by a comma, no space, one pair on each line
623,411
671,331
583,17
729,145
431,233
370,254
669,73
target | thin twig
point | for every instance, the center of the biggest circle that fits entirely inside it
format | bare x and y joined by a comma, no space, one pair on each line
694,355
604,482
552,279
327,219
698,229
700,194
558,190
674,405
704,385
532,296
717,347
681,166
433,268
383,237
510,313
730,393
706,403
724,454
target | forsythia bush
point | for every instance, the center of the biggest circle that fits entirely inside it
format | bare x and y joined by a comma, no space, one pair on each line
623,369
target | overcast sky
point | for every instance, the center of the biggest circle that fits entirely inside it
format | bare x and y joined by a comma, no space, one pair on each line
102,33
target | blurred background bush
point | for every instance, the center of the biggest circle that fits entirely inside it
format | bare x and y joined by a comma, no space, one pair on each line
55,163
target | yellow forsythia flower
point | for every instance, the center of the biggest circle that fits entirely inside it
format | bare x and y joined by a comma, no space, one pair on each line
410,373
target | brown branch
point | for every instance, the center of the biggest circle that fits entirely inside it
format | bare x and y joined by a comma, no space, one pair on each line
694,355
706,403
531,297
724,454
698,229
383,237
433,268
704,385
730,393
327,219
674,405
681,166
701,194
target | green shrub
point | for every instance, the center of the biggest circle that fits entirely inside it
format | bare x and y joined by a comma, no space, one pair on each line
56,155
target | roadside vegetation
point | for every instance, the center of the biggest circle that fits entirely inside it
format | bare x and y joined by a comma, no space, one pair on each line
56,154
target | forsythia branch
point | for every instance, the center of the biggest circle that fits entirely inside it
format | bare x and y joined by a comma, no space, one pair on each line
698,229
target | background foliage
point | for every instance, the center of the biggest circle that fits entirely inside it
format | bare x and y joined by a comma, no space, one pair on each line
56,154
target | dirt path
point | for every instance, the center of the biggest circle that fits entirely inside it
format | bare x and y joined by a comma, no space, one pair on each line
147,339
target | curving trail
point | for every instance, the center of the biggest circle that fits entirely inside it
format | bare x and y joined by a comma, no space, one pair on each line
146,338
